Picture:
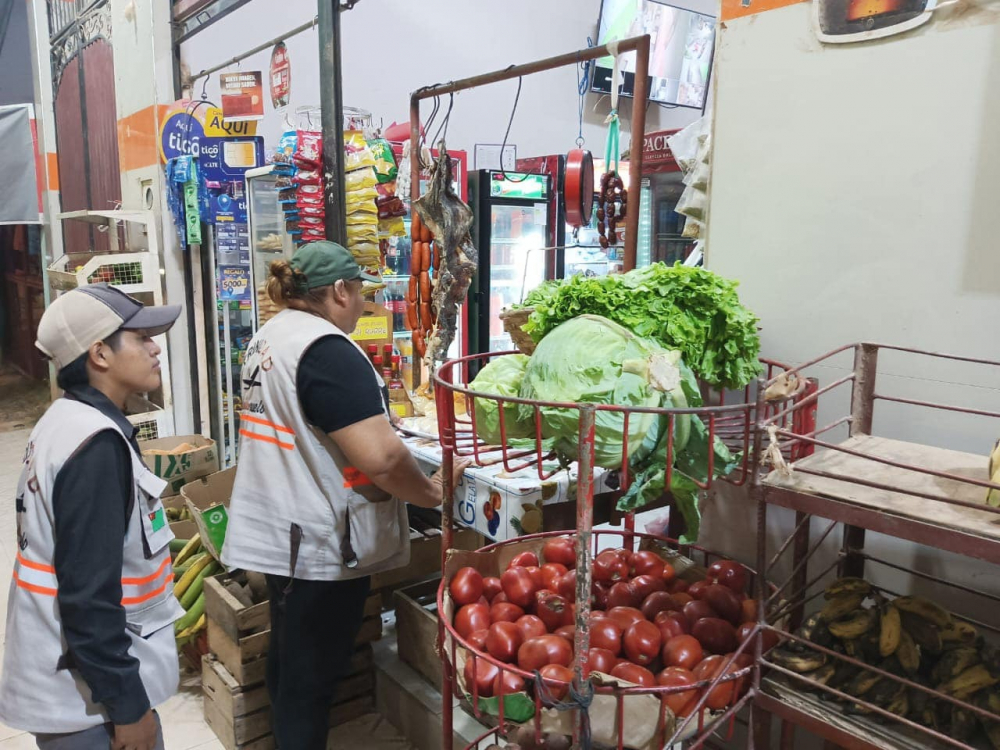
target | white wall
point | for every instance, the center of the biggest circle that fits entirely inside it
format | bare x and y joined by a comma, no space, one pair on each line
392,47
854,195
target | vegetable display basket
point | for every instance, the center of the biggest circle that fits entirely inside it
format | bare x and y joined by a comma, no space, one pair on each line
597,436
513,323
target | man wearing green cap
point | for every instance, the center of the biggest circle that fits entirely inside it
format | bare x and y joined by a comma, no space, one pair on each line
319,500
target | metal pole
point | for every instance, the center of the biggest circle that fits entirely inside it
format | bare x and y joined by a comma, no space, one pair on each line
416,373
584,530
641,90
332,102
549,63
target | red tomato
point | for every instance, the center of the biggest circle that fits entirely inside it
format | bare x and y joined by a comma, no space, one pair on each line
562,675
677,585
483,600
668,574
551,574
472,617
715,635
681,703
672,624
698,609
560,550
610,567
566,587
621,594
600,594
477,640
491,587
625,616
722,695
601,660
749,610
501,597
535,653
770,637
730,574
725,602
482,674
551,608
512,683
505,612
536,576
741,662
568,632
530,627
633,673
682,651
646,562
658,601
606,633
518,586
697,590
503,641
523,560
682,598
644,585
466,586
642,642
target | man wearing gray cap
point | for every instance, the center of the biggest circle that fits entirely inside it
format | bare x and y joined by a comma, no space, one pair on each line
90,648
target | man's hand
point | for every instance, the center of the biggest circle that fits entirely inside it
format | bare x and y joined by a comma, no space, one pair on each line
458,467
139,736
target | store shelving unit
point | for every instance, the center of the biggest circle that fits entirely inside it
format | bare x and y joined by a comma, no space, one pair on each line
132,265
863,482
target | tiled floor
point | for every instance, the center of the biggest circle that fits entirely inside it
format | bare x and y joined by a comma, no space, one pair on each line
183,726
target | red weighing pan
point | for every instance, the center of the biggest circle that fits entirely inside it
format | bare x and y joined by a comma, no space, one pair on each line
578,196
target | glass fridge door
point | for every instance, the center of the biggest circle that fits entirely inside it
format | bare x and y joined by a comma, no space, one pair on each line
268,239
517,261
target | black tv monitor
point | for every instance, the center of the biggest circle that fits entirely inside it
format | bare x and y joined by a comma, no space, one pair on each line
680,51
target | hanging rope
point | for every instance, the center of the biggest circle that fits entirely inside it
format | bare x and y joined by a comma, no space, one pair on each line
444,123
582,85
576,700
510,122
612,121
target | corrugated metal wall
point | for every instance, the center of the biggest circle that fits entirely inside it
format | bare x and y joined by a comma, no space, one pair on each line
72,169
87,137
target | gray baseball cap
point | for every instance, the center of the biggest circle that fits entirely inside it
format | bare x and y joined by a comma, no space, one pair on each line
82,317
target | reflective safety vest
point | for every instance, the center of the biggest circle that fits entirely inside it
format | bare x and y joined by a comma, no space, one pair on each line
40,690
298,508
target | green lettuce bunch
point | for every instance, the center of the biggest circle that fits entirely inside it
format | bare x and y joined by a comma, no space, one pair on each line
501,377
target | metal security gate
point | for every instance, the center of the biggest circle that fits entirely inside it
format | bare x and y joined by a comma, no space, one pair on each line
83,80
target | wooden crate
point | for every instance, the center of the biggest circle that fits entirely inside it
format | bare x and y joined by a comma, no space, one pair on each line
239,635
240,715
417,628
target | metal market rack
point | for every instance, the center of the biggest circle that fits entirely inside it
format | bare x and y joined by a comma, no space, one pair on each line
732,422
136,272
864,482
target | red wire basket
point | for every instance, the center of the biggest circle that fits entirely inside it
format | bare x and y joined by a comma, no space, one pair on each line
734,677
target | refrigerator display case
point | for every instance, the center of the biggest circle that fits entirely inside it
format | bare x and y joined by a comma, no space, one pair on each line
512,230
268,239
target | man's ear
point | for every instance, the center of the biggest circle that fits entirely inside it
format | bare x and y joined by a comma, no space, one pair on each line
98,356
340,291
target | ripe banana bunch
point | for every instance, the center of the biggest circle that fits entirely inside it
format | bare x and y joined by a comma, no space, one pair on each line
909,636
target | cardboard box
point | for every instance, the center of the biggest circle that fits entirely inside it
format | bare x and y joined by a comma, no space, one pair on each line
374,327
399,402
177,469
208,500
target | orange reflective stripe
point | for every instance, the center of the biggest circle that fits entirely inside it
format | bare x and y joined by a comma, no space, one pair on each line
266,439
34,566
147,579
354,477
257,420
43,590
126,600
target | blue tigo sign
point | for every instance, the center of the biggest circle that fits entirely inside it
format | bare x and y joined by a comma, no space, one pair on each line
227,209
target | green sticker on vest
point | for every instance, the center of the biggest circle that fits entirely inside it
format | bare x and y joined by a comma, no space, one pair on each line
157,520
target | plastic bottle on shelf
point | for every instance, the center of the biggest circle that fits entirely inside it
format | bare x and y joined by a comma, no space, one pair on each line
372,352
397,372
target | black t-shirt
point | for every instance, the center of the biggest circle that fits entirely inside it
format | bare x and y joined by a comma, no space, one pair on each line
337,386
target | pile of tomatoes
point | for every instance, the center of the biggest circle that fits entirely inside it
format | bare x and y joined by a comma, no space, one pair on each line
647,626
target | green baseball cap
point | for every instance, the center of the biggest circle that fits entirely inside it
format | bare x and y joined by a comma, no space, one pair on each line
324,262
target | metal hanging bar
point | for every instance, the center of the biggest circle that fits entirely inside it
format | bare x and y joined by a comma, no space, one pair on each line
639,45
